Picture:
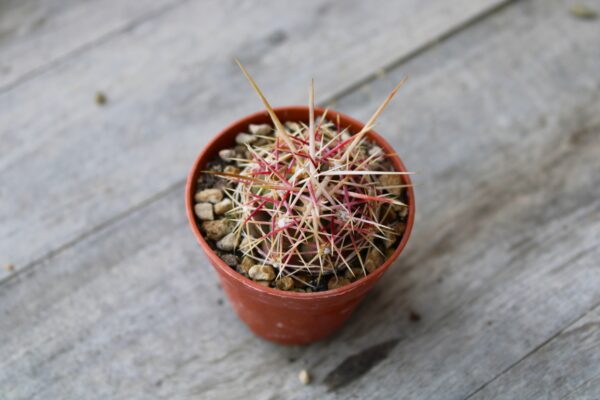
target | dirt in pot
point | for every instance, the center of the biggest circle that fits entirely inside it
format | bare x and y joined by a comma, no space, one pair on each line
313,209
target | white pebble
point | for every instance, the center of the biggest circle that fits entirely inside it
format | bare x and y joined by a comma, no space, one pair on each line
227,154
204,211
403,211
260,129
293,126
223,206
392,182
209,195
215,230
228,243
375,150
304,377
245,138
262,273
246,243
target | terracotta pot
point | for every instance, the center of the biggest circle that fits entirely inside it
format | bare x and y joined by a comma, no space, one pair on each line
280,316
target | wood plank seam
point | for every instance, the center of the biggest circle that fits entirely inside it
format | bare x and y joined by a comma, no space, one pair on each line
37,71
596,379
539,347
451,313
478,18
30,268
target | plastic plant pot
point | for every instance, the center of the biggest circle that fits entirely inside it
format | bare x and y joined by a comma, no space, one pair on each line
283,316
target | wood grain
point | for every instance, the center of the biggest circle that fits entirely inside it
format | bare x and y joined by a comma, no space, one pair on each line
564,367
590,390
35,34
502,263
171,85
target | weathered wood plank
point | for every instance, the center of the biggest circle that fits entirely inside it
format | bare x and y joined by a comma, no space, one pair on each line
565,367
172,84
590,390
35,34
504,255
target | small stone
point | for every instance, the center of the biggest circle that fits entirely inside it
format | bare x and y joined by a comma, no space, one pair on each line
583,11
100,98
227,154
354,274
246,243
260,129
215,230
264,283
375,150
228,243
9,267
230,259
391,237
245,138
230,169
400,228
204,211
209,195
245,265
389,215
285,283
374,260
246,155
392,180
337,282
345,136
241,151
320,120
262,141
292,126
402,212
262,272
301,280
304,377
223,206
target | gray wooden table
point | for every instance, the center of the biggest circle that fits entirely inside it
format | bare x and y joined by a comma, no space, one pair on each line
105,293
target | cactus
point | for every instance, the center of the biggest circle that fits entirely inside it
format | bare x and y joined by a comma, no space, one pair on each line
311,199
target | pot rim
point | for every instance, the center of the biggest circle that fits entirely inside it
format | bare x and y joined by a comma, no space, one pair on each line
227,270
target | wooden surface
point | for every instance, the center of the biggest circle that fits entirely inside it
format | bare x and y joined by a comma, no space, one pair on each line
111,296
